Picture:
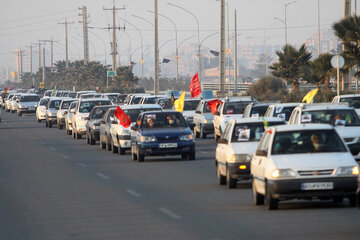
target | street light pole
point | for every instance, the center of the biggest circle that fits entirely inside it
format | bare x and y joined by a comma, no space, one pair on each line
156,49
198,31
286,5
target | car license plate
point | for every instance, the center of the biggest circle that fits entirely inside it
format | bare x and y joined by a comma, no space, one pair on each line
30,108
317,186
168,145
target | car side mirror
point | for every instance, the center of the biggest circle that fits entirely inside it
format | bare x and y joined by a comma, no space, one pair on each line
17,100
199,112
217,114
113,122
87,118
261,153
222,141
135,128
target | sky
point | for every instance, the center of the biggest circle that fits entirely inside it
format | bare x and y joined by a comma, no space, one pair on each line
24,22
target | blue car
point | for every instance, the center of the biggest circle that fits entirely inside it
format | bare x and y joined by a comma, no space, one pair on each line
161,133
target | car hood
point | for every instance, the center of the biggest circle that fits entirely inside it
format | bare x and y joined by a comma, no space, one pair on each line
346,132
244,147
165,131
313,161
28,104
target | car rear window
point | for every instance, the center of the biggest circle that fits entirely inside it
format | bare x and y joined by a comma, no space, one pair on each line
235,107
86,107
335,117
163,120
250,132
29,98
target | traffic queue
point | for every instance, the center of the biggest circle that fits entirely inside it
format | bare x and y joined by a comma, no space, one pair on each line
287,150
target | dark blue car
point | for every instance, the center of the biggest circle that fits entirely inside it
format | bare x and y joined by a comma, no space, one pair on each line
161,133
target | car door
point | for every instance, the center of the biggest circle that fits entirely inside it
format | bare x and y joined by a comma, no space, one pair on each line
258,163
218,118
103,127
222,148
197,115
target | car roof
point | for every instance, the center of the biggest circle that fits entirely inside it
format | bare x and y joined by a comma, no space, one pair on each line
29,94
236,99
324,106
103,106
93,99
285,104
58,98
349,95
141,106
70,99
308,126
256,120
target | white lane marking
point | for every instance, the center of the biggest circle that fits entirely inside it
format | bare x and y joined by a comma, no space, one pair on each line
169,213
81,164
53,149
41,142
102,175
132,192
66,157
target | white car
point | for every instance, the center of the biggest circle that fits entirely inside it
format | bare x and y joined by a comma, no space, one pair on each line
150,99
282,110
68,117
343,118
255,110
236,147
51,111
81,114
78,94
303,162
111,96
190,106
13,102
64,107
27,103
232,108
41,108
353,100
7,102
117,137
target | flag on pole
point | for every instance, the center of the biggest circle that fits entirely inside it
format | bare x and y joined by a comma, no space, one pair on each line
310,95
124,120
213,105
195,89
9,88
179,103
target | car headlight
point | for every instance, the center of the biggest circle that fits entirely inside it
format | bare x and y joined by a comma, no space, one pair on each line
21,106
148,139
94,127
241,157
280,173
187,137
348,171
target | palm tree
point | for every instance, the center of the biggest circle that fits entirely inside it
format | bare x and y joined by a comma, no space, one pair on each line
322,70
292,65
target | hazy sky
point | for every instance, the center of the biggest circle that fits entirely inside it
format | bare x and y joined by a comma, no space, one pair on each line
23,22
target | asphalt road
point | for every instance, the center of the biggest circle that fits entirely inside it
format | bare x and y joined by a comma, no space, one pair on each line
55,187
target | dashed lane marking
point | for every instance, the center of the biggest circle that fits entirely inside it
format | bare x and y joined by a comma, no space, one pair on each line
102,176
133,193
169,213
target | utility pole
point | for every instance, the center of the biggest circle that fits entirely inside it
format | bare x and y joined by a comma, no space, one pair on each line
235,55
85,33
43,67
66,42
39,44
319,46
30,58
156,78
228,51
222,49
51,53
114,45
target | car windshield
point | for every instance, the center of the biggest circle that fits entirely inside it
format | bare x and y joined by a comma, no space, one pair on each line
314,141
191,105
163,120
150,100
133,114
235,107
121,98
283,112
135,100
72,95
73,105
98,112
54,103
250,132
334,117
111,97
353,101
65,104
29,99
86,107
44,101
258,111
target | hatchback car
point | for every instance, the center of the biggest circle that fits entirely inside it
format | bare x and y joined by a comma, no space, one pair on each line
51,111
64,107
27,103
41,108
303,162
162,133
236,147
93,123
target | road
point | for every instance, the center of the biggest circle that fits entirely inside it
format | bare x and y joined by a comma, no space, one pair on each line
55,187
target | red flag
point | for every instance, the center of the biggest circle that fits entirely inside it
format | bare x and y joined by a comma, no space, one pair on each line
213,105
195,89
124,120
9,88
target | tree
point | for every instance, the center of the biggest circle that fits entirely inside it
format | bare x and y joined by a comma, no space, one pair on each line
268,89
322,70
292,65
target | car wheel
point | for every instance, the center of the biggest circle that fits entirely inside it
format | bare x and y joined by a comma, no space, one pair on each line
19,114
197,135
38,120
352,201
221,178
114,149
231,183
78,136
73,134
271,203
258,199
191,155
87,138
60,126
102,145
140,157
92,141
184,156
50,124
216,137
202,134
121,150
46,124
338,199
